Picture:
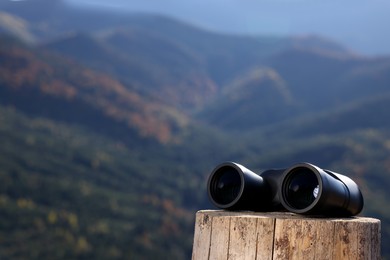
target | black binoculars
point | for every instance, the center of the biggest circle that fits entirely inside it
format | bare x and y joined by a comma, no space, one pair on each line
303,188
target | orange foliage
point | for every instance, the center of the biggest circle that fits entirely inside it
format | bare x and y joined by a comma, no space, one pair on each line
53,76
22,68
150,126
58,88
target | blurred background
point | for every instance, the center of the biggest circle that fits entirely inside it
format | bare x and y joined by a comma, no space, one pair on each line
113,113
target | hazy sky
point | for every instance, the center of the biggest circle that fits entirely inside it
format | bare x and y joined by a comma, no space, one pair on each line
362,25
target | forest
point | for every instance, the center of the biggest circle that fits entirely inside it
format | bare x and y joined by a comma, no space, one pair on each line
111,123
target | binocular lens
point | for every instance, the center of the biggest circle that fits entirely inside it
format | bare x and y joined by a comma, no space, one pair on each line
301,188
225,185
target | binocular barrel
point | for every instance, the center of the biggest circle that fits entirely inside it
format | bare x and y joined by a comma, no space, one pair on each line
234,187
308,189
303,188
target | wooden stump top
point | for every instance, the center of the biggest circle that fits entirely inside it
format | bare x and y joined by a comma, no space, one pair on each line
283,235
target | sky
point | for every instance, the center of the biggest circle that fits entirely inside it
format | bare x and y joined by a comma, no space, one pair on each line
362,25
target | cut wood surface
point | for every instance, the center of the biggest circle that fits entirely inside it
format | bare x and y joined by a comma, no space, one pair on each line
226,235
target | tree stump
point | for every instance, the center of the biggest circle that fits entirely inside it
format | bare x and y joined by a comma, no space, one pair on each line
226,235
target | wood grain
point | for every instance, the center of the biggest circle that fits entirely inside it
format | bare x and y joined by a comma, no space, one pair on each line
224,235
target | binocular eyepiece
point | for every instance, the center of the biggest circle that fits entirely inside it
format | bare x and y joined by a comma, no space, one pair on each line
303,188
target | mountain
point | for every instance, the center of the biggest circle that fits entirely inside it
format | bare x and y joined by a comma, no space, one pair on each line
325,78
79,164
46,85
189,67
66,192
366,114
314,81
260,97
147,60
110,124
156,48
16,26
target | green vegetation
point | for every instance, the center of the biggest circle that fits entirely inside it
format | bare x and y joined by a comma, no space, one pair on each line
67,193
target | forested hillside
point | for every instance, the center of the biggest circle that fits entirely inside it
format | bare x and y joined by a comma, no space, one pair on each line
111,122
68,193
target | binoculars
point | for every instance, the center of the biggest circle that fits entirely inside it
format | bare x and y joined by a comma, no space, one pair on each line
303,188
